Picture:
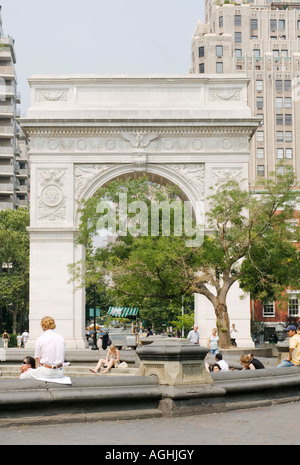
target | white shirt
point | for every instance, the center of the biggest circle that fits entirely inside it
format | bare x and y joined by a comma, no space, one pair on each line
194,336
27,374
223,365
25,336
50,348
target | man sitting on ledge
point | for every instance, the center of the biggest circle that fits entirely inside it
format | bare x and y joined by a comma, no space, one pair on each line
49,352
293,358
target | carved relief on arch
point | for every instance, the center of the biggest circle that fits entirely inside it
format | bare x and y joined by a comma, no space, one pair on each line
51,198
222,175
85,175
193,174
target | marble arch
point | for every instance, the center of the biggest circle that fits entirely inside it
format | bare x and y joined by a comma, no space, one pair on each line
85,130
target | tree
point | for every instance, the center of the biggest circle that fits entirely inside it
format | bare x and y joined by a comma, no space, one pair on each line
253,243
14,260
250,241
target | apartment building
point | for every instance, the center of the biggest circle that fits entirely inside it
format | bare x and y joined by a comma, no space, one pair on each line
14,176
261,39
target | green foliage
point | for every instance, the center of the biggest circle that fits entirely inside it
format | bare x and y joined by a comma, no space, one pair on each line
14,258
250,239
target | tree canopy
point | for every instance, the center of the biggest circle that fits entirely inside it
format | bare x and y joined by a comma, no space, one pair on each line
14,260
251,237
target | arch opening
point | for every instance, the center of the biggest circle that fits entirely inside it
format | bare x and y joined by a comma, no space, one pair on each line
160,177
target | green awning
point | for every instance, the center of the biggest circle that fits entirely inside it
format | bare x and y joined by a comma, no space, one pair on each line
123,311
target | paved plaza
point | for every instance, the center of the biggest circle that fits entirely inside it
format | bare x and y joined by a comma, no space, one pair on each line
276,425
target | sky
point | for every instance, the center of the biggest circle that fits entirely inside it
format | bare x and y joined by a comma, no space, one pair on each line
100,37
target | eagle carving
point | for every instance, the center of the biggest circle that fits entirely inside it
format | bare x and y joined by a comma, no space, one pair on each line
140,139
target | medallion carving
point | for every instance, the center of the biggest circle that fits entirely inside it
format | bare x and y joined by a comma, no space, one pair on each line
52,200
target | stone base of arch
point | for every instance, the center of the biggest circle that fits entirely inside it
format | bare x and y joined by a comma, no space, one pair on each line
239,310
51,292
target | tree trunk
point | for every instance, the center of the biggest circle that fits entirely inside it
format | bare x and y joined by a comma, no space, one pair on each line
223,324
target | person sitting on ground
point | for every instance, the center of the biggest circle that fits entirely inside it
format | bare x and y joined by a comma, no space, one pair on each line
112,359
219,360
251,363
26,368
213,368
216,368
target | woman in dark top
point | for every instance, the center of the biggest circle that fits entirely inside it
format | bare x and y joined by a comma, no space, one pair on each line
251,363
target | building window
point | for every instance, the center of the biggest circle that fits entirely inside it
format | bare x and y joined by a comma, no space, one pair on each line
259,85
260,154
281,24
279,136
287,85
262,119
288,102
278,85
260,170
280,170
279,154
298,25
279,101
260,136
219,51
289,153
219,67
288,119
293,306
220,21
284,53
259,103
268,309
238,53
279,119
256,52
201,52
201,68
253,24
237,20
273,24
275,53
238,37
288,136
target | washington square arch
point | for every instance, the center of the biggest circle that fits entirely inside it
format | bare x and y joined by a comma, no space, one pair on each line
86,130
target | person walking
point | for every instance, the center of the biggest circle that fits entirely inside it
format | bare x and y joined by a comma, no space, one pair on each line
19,341
293,358
5,339
194,336
212,342
25,337
233,335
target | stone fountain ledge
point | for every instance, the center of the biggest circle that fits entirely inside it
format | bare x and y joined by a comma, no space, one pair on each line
171,382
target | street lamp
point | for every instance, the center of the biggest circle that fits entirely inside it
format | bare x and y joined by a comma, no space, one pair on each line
94,346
